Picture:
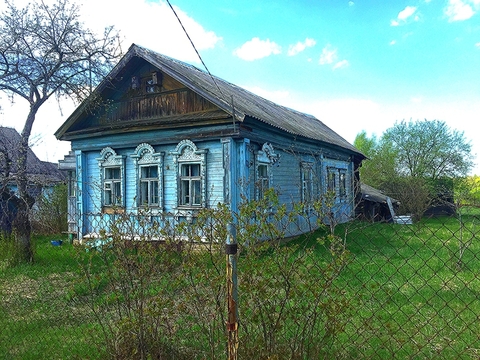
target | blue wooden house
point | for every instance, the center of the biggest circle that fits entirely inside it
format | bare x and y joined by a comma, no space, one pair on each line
164,135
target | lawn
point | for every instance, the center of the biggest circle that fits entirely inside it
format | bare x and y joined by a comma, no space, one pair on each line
402,293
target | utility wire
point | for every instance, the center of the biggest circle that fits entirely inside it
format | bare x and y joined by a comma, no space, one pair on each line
198,54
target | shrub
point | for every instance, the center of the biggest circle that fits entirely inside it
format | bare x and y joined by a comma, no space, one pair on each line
49,214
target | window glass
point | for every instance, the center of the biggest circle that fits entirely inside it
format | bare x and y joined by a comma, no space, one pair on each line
263,183
190,185
112,187
149,184
331,183
343,183
307,184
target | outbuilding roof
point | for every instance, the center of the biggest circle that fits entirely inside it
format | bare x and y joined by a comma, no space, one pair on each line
39,172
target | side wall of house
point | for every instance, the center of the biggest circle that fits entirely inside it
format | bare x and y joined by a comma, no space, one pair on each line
302,173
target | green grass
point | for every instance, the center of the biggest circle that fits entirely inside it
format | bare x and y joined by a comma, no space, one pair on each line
410,296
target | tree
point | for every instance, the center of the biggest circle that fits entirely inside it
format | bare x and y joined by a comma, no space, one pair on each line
429,149
380,166
412,161
426,149
45,51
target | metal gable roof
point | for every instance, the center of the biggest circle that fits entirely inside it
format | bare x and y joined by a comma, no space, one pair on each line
244,102
227,96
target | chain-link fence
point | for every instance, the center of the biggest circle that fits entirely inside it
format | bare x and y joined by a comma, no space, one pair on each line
147,289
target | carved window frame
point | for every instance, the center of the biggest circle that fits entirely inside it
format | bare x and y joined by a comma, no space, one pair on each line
265,159
306,178
145,156
109,160
186,153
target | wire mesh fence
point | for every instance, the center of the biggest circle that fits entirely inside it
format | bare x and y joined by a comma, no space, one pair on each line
147,289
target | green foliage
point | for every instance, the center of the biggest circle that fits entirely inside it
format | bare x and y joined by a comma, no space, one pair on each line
49,215
10,255
366,291
429,149
412,160
162,291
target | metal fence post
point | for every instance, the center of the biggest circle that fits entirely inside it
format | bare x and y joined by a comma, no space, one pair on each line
232,291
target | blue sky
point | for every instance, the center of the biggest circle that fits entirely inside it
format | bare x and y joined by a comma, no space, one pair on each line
355,65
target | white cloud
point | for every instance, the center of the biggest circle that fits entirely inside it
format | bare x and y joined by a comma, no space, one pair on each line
341,64
151,24
256,49
393,42
459,10
351,3
477,45
349,116
300,46
328,56
405,15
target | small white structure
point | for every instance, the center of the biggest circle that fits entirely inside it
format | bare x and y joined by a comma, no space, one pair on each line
399,219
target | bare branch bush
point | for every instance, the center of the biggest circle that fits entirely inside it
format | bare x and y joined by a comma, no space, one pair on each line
158,288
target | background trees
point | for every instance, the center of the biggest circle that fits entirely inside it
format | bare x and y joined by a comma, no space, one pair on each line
415,161
44,51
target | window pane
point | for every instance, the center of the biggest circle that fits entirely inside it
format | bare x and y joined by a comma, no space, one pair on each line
112,173
143,193
185,192
185,170
117,193
108,197
196,192
195,170
149,172
154,193
262,171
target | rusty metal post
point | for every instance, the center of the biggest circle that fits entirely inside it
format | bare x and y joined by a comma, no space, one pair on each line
231,248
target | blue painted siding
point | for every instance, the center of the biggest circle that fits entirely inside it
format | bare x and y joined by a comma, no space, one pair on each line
230,171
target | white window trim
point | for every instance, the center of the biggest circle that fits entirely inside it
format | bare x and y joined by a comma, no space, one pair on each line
109,159
265,156
186,152
307,166
145,155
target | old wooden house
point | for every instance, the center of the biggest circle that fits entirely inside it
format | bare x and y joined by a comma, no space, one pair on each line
164,135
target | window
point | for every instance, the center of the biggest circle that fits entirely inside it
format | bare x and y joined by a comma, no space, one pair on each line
149,186
112,187
190,185
262,183
331,180
265,159
307,183
191,166
112,177
149,166
343,183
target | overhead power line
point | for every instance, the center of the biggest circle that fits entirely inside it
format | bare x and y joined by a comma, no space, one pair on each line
198,54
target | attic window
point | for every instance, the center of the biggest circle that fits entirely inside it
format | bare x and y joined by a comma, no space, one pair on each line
153,83
135,82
